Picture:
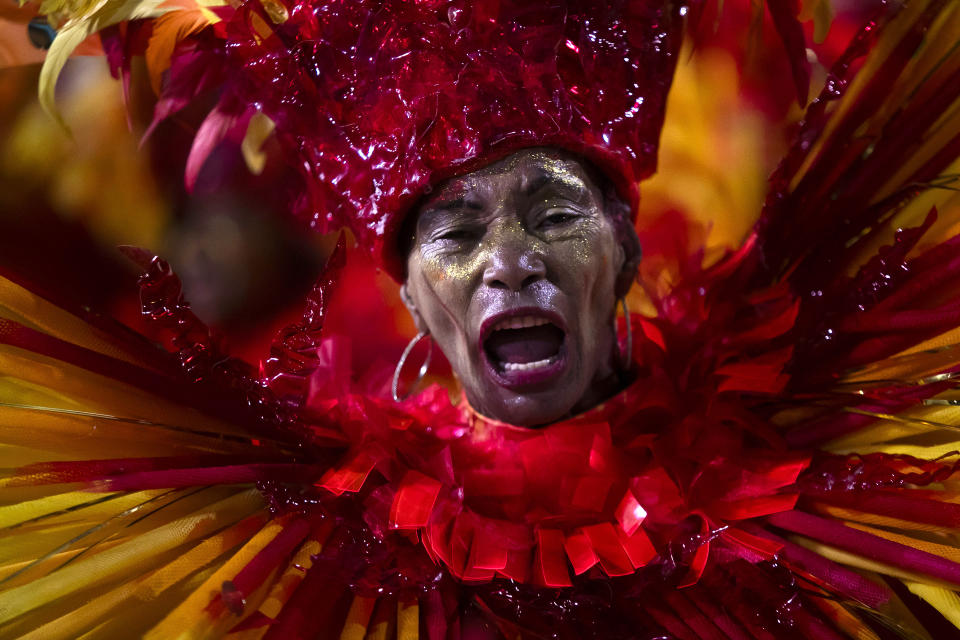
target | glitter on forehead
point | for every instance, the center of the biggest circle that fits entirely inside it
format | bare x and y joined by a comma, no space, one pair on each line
538,163
561,173
520,174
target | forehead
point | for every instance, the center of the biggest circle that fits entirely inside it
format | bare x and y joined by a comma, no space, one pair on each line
525,170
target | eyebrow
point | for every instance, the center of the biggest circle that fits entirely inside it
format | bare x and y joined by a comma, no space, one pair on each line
461,202
433,213
546,178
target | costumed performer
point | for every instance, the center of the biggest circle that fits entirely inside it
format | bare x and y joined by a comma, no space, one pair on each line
771,457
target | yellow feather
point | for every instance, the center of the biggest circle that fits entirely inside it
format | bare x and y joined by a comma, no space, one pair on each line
821,12
258,131
85,19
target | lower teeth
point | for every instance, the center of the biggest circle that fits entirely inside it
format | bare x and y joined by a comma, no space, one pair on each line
526,366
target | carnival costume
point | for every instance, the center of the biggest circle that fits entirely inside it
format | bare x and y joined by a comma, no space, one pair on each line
783,464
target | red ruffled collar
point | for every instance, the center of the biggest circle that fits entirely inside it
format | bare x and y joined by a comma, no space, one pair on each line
599,492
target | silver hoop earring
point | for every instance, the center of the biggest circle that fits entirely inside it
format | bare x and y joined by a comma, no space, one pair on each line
403,360
626,357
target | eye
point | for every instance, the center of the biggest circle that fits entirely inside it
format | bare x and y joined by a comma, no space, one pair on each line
457,234
557,218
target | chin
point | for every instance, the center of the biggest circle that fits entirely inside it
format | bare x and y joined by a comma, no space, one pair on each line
528,410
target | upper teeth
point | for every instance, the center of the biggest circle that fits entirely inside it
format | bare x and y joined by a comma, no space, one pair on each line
520,322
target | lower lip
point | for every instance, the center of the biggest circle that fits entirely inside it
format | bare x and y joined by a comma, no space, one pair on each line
524,379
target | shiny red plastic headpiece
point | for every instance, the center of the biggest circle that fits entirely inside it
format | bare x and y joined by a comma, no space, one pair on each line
379,101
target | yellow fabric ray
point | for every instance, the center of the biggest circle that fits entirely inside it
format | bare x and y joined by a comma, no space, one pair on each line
248,634
14,390
947,552
888,40
384,622
134,621
16,495
908,366
93,392
943,600
33,544
26,573
295,573
126,557
845,620
251,605
190,619
915,75
91,438
872,518
286,584
893,611
912,214
147,588
358,618
17,513
889,427
922,76
899,449
408,620
859,562
12,456
27,308
97,507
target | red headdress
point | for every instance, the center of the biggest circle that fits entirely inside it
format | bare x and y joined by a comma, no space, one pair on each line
375,102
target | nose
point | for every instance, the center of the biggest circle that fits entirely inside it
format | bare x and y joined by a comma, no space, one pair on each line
514,264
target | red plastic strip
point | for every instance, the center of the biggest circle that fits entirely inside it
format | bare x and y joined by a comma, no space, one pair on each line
605,541
551,561
413,502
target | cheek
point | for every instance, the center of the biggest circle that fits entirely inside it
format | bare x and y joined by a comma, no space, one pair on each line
444,282
592,265
443,300
590,262
453,272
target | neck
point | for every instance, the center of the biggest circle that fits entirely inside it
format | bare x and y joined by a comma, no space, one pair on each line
602,389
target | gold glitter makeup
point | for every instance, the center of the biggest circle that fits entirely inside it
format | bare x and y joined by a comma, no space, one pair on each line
527,238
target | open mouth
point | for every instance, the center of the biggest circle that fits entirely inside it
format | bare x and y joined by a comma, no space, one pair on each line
523,349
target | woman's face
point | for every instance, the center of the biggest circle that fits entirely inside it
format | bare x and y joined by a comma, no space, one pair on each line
513,270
